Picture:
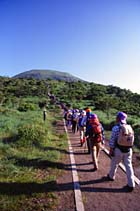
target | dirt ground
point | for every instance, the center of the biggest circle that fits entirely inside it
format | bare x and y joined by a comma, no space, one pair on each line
98,194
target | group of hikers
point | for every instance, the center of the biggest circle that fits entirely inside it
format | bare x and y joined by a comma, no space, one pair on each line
92,133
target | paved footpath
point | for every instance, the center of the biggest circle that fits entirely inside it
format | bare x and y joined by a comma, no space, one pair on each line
93,191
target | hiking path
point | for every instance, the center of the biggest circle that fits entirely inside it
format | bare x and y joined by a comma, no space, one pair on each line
80,188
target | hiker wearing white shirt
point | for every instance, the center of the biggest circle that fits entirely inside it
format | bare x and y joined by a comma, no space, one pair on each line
121,152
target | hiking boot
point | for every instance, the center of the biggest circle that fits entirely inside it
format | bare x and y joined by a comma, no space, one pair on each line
109,178
128,188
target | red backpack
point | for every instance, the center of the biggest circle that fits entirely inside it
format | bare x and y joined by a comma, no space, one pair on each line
96,132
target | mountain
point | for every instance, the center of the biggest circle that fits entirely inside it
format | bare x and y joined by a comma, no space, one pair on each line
48,74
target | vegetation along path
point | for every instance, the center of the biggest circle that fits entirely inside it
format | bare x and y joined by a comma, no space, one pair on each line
96,192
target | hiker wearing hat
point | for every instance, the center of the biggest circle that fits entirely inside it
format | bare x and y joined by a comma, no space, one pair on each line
121,143
74,120
82,126
85,122
88,115
95,134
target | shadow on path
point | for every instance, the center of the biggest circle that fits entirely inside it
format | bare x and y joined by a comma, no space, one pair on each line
30,188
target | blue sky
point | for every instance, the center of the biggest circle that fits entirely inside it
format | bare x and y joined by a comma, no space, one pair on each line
95,40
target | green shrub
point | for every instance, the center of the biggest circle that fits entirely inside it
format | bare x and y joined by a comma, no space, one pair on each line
137,135
29,135
26,107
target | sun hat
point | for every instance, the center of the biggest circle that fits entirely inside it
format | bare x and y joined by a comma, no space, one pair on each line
122,117
93,116
84,112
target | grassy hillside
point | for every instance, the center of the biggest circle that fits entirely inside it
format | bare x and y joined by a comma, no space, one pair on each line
29,94
31,150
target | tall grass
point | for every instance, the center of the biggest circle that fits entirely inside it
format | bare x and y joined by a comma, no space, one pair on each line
30,160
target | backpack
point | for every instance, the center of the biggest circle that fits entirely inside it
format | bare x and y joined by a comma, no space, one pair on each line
69,116
80,121
126,136
96,132
75,117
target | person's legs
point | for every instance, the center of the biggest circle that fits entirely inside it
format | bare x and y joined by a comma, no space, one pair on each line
73,126
81,130
89,146
94,148
93,154
81,133
98,146
129,168
115,163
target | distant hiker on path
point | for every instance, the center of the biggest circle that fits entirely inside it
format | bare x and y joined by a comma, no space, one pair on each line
75,117
95,133
44,114
69,118
121,143
82,126
85,121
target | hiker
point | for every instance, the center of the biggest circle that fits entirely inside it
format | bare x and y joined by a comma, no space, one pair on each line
65,114
85,121
74,120
82,126
44,114
88,114
95,133
69,118
121,143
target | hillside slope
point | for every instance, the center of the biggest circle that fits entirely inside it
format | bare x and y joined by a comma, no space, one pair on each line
48,74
